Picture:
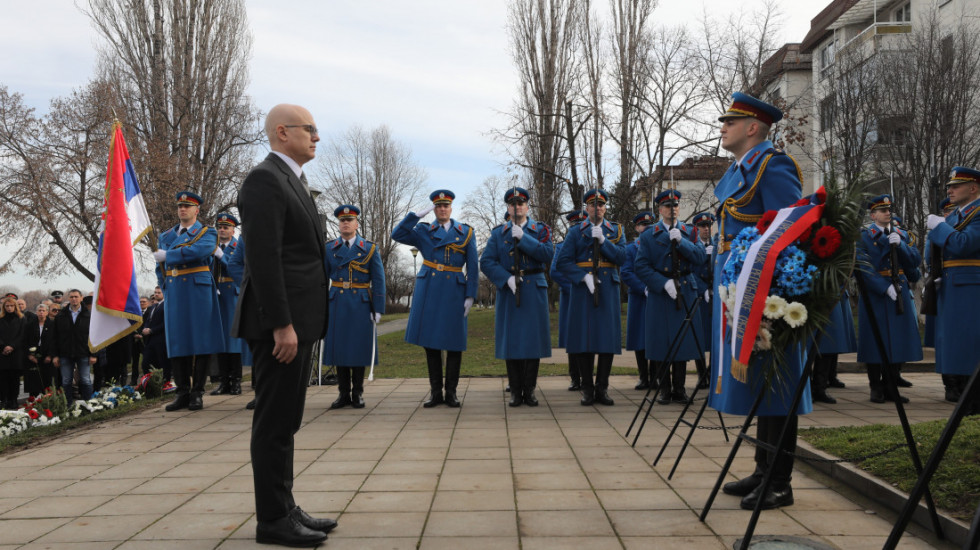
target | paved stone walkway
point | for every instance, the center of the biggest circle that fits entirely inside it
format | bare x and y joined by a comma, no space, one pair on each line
400,476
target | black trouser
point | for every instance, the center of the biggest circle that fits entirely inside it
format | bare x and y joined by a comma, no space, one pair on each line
350,379
39,377
522,374
137,352
280,395
190,372
822,367
677,374
156,356
9,387
768,431
585,362
433,358
573,373
642,365
229,367
876,375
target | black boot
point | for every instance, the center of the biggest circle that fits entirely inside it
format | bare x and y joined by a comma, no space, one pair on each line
235,387
643,367
530,381
821,379
574,375
702,369
197,401
514,375
745,485
180,402
343,388
433,360
678,376
877,386
602,380
584,361
223,387
453,361
357,387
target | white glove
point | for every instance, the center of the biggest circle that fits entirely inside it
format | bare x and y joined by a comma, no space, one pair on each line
933,220
892,293
709,250
218,253
894,238
707,296
597,234
516,232
671,289
422,213
937,280
375,318
512,283
675,234
589,282
646,291
467,304
160,255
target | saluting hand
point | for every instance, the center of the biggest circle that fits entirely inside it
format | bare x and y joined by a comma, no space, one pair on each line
422,213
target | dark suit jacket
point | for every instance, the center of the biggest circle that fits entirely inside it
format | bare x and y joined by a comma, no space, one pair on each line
71,338
33,334
285,278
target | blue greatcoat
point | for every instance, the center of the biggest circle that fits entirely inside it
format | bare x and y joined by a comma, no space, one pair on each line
236,270
899,332
351,334
703,278
838,336
564,293
227,294
436,320
765,179
957,332
192,312
653,266
593,329
521,332
637,305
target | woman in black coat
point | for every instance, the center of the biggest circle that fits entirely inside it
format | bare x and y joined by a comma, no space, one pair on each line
11,351
39,371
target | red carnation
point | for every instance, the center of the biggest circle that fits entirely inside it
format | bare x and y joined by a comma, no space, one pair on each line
826,241
48,413
33,414
764,223
30,399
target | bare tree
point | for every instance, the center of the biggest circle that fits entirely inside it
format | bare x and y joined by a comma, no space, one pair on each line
180,72
376,173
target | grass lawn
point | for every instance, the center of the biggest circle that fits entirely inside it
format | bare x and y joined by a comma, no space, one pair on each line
956,484
398,359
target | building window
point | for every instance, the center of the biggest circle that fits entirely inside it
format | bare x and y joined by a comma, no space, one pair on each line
903,14
893,131
827,56
828,109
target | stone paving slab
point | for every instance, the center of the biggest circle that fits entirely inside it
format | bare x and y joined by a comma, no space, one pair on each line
397,475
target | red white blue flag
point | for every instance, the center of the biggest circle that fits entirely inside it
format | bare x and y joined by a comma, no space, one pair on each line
124,222
755,279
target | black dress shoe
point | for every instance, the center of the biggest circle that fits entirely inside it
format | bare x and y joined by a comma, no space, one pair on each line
679,397
703,385
836,383
588,398
356,401
903,383
890,397
221,389
664,398
250,405
877,396
196,403
436,399
317,524
952,395
288,531
743,486
776,497
235,387
575,386
507,389
452,400
180,402
516,399
602,398
529,399
643,385
822,397
342,401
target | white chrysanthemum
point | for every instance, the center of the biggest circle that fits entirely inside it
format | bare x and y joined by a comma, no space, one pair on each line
795,314
723,293
775,307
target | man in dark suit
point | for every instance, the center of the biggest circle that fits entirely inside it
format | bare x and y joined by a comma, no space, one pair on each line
282,313
155,337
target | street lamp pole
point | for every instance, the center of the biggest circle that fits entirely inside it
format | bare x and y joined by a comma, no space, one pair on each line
415,270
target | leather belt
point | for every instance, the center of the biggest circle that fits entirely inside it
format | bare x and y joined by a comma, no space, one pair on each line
961,263
348,284
178,272
442,267
888,272
601,264
670,275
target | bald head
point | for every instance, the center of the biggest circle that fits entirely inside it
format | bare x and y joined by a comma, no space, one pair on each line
292,132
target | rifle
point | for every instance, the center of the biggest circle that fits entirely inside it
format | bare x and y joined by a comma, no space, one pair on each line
893,258
518,272
930,293
675,266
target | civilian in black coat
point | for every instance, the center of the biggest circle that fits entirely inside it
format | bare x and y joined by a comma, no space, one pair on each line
70,349
39,371
11,352
282,313
154,333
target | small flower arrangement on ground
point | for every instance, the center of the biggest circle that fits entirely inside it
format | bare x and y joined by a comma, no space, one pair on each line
107,398
13,422
815,243
52,408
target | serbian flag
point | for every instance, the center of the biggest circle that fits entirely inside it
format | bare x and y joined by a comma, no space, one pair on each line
752,285
124,222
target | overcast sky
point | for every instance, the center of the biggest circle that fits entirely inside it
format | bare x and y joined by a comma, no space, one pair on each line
437,72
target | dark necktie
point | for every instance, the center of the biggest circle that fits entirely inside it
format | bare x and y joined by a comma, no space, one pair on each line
223,248
302,179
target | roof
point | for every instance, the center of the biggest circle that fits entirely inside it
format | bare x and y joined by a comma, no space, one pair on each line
788,58
701,168
823,24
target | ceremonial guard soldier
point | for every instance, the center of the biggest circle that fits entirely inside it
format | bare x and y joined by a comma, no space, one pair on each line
958,234
564,295
899,330
704,277
594,312
667,256
837,338
191,308
514,260
953,383
357,300
443,292
229,361
636,308
762,178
